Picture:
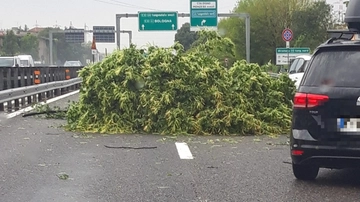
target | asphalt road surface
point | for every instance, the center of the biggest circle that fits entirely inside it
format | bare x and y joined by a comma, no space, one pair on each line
39,161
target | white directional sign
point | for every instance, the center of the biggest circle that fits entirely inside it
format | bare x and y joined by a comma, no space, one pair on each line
285,55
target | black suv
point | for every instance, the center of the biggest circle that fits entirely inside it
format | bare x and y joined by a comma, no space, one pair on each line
326,113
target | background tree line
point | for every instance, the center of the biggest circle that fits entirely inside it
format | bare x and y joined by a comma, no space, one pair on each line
15,44
308,19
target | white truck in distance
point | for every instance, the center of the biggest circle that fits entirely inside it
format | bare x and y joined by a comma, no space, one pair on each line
10,61
26,61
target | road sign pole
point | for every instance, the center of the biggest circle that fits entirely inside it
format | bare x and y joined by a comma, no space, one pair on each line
247,34
288,47
118,32
51,44
51,47
288,58
288,44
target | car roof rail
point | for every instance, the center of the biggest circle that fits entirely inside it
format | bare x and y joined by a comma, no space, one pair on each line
341,35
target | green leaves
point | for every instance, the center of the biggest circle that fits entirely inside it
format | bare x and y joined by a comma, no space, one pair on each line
172,92
308,19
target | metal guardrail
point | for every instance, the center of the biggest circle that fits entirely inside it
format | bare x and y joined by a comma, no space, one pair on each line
15,77
17,98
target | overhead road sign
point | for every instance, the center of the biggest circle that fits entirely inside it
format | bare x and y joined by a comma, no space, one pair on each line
74,35
104,34
158,21
203,15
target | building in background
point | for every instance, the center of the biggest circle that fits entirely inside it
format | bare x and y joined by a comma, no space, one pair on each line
339,9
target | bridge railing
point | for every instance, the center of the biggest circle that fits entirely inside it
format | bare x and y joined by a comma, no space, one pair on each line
24,86
15,77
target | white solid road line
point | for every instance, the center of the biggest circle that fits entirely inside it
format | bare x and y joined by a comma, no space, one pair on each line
183,150
27,109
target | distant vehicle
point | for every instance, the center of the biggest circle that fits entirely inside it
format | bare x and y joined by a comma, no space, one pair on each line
297,68
26,61
10,61
72,64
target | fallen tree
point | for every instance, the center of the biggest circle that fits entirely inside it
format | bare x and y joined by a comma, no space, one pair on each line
172,92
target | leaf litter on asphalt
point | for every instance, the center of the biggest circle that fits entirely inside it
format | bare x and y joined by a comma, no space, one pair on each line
63,176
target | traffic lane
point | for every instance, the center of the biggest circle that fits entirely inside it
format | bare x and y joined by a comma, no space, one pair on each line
253,169
224,169
144,174
16,130
33,157
132,169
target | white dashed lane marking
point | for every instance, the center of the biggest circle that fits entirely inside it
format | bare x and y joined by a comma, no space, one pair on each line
183,150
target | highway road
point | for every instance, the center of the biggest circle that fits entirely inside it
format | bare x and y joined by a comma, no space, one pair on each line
39,161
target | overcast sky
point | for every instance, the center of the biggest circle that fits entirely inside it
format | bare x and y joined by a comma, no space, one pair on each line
96,13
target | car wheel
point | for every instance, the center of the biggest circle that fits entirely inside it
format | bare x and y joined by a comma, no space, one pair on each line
305,172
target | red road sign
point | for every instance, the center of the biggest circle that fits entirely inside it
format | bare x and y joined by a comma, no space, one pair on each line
93,45
287,34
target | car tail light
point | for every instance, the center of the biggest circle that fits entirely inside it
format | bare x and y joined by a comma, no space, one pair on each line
304,100
297,152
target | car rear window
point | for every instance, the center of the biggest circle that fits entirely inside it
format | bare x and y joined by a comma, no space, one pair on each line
338,67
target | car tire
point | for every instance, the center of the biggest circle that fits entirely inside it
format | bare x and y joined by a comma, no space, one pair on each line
305,172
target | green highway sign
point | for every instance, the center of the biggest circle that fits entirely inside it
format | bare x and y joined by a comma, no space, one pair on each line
285,55
203,14
158,21
293,50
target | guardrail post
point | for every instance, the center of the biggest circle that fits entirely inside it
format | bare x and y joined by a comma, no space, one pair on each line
2,80
22,83
48,78
29,81
17,77
10,81
23,77
2,85
8,78
13,78
9,106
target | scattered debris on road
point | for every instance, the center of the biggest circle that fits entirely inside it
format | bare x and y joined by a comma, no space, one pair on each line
63,176
115,147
